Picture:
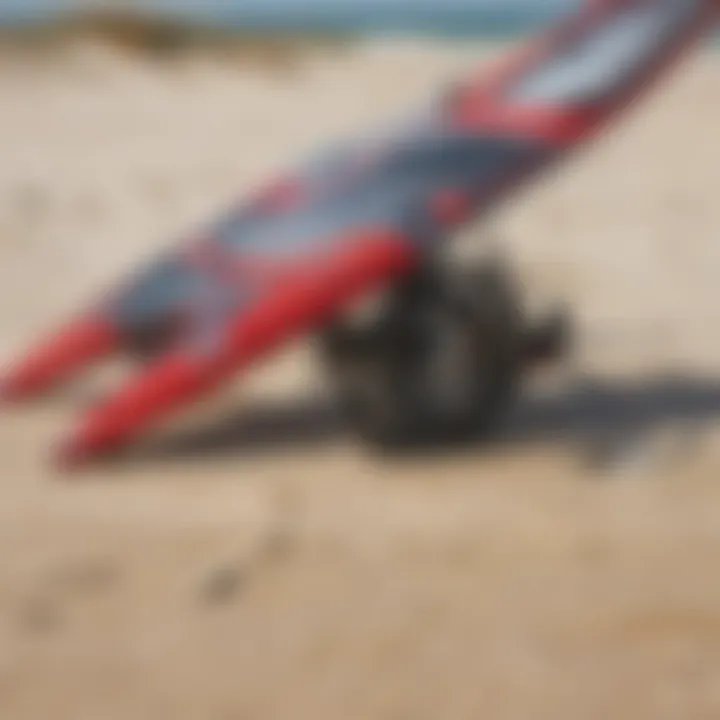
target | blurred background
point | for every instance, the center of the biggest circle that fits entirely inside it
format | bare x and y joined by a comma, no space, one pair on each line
259,562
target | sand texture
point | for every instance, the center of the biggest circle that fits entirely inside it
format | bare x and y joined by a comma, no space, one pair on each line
258,563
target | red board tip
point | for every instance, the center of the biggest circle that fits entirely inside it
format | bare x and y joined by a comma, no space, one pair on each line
65,353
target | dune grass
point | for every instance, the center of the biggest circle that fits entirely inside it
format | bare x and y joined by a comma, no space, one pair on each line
159,37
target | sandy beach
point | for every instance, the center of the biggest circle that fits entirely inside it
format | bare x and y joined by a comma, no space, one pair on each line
258,562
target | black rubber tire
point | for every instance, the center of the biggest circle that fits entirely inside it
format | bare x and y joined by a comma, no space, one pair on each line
469,323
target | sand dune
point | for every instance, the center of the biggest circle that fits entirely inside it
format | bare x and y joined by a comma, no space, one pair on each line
259,564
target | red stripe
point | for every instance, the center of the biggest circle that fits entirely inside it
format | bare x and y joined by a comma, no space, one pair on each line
555,125
66,353
298,306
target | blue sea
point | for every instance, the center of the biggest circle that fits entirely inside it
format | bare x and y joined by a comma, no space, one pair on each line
453,22
360,18
485,19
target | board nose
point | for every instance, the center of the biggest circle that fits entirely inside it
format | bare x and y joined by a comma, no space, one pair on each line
63,354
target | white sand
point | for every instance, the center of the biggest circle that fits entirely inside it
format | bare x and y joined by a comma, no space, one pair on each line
514,583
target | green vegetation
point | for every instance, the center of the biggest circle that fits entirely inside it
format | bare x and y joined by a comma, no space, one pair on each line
160,37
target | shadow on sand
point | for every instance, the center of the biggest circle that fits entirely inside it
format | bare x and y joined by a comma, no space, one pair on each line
590,412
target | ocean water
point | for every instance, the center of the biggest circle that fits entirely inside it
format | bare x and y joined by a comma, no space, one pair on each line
362,18
451,22
457,20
